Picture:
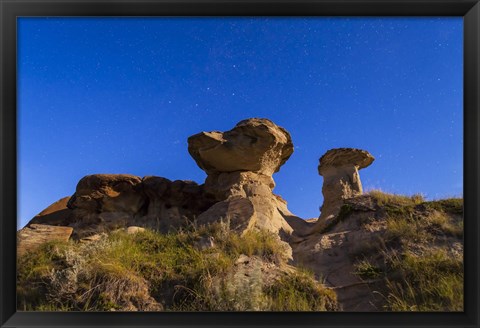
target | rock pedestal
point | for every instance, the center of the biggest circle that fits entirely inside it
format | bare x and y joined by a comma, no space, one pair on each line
240,164
341,180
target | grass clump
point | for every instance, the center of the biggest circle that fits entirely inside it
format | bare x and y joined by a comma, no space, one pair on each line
449,205
33,272
431,282
384,198
445,224
367,270
252,243
420,257
411,218
413,225
407,228
300,292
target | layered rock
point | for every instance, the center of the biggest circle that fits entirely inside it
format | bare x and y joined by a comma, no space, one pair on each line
240,164
172,204
33,236
341,180
100,193
106,202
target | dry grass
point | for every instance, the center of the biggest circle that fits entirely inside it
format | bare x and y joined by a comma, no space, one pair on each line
416,259
384,198
300,292
149,271
430,282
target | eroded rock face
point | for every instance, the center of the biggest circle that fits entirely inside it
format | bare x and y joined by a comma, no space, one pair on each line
237,212
34,235
239,189
256,145
240,164
108,193
103,203
172,204
245,184
341,180
330,255
57,214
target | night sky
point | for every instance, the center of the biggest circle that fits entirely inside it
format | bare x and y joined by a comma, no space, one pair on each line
122,95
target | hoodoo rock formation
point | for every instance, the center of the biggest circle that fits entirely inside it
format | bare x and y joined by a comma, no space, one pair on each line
341,180
240,164
255,145
238,189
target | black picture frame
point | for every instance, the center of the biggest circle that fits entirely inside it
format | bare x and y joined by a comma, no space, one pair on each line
10,10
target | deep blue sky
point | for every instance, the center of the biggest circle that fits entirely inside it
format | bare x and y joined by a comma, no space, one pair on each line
122,95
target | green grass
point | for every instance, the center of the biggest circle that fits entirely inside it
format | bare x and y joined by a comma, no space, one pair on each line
366,270
414,219
419,271
300,292
413,226
150,271
449,205
384,198
431,282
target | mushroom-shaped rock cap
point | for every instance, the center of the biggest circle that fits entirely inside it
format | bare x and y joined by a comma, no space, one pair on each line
255,144
345,156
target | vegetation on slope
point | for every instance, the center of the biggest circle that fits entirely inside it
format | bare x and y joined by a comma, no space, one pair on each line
414,260
149,271
420,257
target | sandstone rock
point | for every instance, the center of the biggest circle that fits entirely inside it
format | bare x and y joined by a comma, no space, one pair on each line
299,226
205,243
34,235
114,220
133,230
330,255
339,168
240,163
187,196
269,217
108,193
173,204
95,237
244,184
237,212
256,145
103,203
56,214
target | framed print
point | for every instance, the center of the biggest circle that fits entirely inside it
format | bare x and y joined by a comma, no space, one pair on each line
227,163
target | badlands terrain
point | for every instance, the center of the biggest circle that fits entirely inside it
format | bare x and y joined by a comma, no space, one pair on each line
127,243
